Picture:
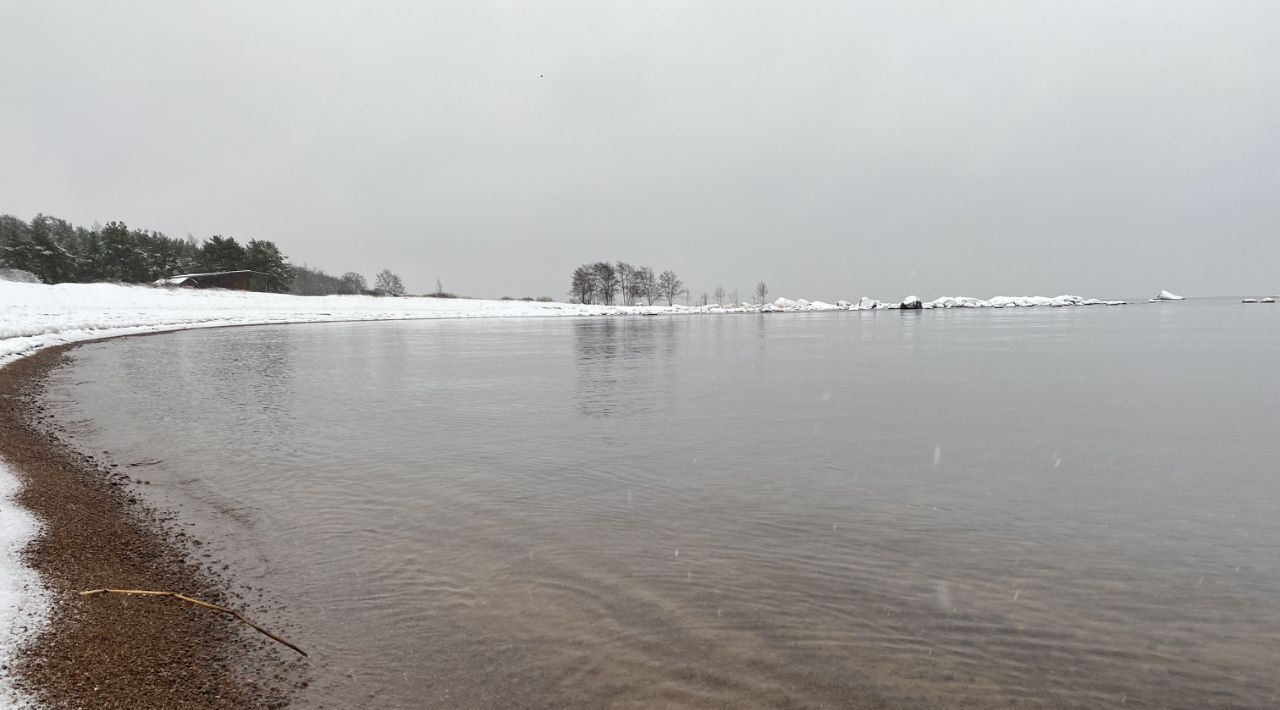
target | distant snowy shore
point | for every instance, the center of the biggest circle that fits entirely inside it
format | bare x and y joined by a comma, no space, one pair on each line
786,305
34,316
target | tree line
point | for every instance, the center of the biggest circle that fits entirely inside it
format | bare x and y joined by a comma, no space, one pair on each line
608,284
315,282
611,283
56,251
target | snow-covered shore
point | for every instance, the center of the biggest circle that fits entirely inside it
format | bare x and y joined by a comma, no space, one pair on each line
34,316
37,316
23,602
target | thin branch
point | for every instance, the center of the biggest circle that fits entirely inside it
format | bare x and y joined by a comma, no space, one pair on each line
197,602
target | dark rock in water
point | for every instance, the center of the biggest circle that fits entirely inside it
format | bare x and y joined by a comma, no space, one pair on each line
911,303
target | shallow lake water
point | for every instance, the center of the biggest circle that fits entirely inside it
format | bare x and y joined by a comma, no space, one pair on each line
999,508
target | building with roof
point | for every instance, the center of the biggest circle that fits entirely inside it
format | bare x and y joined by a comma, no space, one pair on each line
233,280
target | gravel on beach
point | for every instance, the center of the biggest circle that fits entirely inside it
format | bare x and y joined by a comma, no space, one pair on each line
112,651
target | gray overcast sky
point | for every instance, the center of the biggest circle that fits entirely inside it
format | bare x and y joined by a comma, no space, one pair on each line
833,149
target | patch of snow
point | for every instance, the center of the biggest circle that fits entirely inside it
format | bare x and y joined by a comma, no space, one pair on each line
24,602
1268,300
18,276
1167,296
1250,300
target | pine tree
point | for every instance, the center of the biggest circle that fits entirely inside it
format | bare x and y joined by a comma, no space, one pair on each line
222,254
265,257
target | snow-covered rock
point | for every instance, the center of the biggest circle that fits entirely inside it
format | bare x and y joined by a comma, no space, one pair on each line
1268,299
1167,296
957,302
911,303
1249,300
871,304
1017,302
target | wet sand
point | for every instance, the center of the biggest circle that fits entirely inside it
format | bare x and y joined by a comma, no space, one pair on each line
112,651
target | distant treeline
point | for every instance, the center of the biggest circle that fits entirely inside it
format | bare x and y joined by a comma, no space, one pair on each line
58,252
606,283
314,282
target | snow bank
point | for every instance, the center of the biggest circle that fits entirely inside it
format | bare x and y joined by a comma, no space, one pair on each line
1166,296
23,600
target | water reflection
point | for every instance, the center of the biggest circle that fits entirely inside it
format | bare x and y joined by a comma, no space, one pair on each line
624,367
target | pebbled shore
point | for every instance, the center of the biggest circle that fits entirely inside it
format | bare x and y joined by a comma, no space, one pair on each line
111,651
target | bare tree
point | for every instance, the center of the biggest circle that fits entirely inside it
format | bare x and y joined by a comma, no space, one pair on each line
354,282
733,297
643,285
762,292
670,286
719,295
606,281
704,300
626,287
389,283
646,286
583,287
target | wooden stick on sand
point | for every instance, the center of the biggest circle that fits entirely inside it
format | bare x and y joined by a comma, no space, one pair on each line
197,602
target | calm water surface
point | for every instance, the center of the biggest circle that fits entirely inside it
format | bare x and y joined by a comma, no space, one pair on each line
1013,508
